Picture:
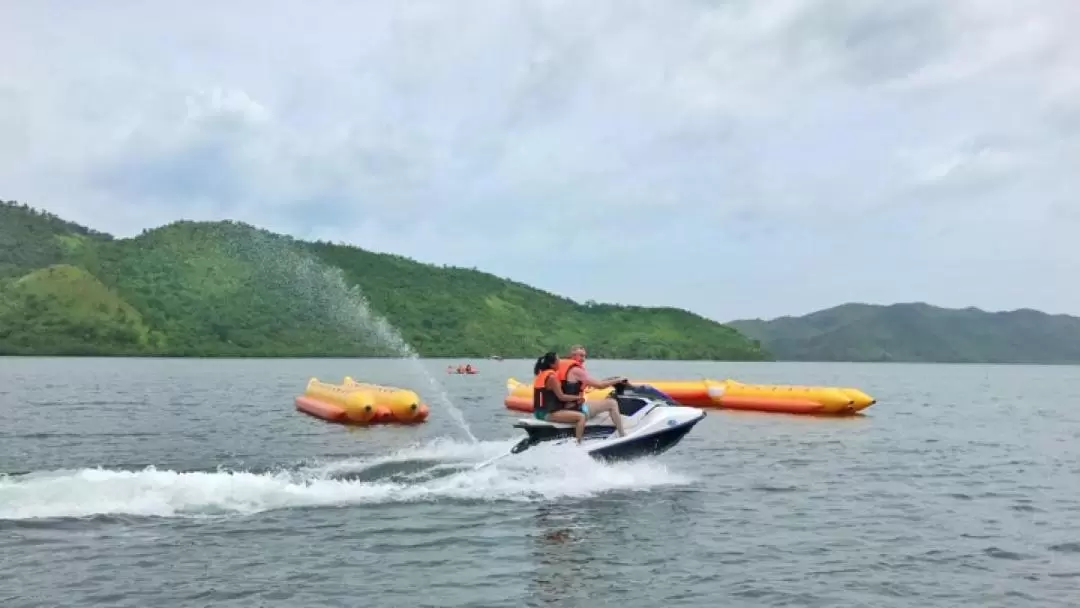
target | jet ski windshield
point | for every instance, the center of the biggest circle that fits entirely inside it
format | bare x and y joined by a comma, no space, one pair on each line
647,391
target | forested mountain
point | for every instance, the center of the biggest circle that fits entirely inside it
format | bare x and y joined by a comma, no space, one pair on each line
913,332
227,288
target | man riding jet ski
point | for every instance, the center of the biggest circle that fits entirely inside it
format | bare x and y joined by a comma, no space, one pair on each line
559,392
655,421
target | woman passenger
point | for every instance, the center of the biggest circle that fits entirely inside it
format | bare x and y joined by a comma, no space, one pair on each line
549,400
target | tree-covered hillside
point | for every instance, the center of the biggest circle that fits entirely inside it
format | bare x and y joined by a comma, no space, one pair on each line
32,239
918,332
225,288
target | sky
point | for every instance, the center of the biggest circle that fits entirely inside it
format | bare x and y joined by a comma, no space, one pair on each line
740,159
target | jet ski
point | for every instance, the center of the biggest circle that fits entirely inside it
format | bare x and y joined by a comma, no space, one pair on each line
653,421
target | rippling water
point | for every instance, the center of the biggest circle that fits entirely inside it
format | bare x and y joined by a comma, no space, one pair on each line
195,483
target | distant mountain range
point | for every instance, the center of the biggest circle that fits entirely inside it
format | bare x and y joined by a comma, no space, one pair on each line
918,332
226,288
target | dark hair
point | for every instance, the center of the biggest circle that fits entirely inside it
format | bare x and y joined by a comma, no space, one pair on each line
546,362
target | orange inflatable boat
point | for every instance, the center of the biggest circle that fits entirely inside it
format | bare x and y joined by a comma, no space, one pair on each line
730,394
353,402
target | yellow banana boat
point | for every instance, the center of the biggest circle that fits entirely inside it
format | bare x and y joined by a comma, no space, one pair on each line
354,402
729,394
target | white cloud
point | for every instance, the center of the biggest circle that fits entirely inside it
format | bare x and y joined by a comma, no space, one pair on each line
737,158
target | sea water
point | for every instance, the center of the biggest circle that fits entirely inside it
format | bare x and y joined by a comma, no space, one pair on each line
159,482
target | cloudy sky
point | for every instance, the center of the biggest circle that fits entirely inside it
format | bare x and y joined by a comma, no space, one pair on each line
740,158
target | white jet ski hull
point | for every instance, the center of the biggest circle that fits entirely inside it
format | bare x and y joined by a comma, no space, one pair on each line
653,425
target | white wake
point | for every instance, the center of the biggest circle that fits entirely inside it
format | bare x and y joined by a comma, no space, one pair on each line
538,474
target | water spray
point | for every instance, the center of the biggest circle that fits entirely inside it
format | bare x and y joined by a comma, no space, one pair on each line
324,289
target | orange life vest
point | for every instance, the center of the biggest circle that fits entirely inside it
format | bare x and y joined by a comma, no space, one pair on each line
541,379
544,398
563,371
563,367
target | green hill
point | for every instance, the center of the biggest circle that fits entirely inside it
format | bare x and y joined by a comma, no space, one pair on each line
917,332
32,239
63,309
226,288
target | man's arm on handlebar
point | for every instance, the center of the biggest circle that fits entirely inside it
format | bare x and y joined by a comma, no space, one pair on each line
588,380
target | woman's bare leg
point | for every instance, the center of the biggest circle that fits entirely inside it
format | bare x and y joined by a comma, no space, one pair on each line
570,417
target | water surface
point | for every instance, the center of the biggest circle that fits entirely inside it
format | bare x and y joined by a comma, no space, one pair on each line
162,482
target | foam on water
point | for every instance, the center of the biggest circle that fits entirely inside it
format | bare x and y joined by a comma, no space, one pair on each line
536,475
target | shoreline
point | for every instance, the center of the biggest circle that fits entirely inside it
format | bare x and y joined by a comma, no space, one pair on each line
476,358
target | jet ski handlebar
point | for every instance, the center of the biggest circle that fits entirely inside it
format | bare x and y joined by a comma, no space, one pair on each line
641,390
